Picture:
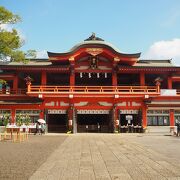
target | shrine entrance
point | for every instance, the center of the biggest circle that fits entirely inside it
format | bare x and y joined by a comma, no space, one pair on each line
130,121
130,117
57,121
93,121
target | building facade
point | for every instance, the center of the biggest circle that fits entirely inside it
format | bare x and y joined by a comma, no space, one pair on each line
93,87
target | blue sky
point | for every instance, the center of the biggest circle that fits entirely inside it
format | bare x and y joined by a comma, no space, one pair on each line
151,27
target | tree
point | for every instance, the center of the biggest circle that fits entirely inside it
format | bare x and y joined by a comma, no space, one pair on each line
3,82
10,41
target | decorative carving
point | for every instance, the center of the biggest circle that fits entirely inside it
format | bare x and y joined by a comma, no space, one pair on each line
116,59
94,62
93,38
28,80
71,58
158,81
94,51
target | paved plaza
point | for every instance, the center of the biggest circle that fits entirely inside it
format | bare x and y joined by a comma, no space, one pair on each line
113,156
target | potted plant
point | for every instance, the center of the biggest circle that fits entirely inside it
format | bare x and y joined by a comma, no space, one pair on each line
1,125
6,119
27,120
19,119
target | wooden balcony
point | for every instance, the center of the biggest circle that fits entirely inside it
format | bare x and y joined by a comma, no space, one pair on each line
93,90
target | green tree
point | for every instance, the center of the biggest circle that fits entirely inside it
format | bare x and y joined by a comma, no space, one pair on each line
10,41
3,82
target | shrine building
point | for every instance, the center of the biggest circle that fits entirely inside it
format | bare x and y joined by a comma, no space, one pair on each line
94,87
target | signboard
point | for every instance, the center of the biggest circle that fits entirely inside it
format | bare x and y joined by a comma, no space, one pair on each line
129,118
168,92
56,111
92,111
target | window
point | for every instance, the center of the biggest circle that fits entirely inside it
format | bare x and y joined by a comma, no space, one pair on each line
158,120
158,117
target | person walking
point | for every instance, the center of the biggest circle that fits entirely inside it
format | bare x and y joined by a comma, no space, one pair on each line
43,128
178,128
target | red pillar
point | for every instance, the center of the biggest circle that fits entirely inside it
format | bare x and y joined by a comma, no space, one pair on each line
144,116
43,78
13,115
15,83
72,73
72,79
142,79
41,115
169,83
114,78
172,117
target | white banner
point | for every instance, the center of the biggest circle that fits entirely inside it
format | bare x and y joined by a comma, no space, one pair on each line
56,111
92,111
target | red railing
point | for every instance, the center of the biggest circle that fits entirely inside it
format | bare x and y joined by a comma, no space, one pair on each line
94,89
13,92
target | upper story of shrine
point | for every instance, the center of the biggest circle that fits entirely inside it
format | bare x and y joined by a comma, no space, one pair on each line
93,53
93,62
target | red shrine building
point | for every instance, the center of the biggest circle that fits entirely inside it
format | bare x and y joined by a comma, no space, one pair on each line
93,87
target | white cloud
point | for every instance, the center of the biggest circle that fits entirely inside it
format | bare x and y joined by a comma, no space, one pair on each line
165,50
6,27
42,54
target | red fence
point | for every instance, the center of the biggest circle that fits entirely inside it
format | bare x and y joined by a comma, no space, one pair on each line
94,89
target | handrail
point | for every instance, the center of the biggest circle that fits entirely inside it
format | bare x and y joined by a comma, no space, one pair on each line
93,89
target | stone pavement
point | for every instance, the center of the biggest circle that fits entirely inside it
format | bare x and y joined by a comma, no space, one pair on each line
106,156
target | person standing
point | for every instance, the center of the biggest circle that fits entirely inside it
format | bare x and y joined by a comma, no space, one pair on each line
38,128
